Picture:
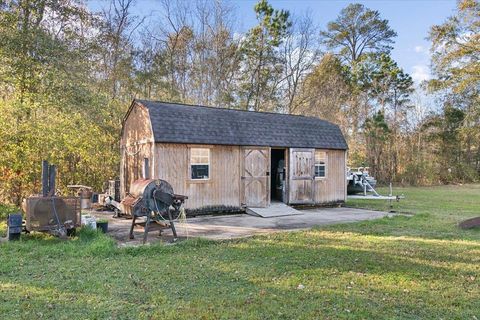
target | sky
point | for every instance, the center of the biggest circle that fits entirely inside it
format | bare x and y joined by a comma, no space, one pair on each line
411,19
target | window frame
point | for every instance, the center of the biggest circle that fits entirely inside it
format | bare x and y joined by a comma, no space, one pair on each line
321,161
195,180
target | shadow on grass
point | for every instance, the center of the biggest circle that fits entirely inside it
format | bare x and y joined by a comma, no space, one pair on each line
250,278
400,267
423,225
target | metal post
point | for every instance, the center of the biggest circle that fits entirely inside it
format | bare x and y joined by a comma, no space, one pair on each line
132,226
145,233
52,173
172,225
45,178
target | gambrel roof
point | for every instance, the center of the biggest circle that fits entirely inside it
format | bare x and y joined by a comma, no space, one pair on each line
181,123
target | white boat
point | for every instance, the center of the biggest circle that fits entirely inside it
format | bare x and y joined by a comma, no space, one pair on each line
359,181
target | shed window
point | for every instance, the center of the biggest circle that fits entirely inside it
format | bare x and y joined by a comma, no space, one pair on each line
200,163
320,164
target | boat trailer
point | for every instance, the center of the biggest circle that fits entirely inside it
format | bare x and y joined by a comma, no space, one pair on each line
374,194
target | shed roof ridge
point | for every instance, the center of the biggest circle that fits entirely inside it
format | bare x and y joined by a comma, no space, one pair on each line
231,109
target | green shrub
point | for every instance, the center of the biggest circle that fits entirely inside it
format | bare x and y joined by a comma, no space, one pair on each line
6,209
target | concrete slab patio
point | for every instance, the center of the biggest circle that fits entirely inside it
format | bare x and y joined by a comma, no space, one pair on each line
240,225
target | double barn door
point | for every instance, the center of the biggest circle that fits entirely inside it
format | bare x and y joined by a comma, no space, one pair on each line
256,176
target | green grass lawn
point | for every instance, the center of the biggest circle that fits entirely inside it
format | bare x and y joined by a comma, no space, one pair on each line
405,267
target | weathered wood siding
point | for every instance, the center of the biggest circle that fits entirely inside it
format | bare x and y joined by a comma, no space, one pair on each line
332,188
136,144
221,189
224,187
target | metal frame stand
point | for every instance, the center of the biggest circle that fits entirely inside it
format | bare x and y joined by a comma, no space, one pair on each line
150,219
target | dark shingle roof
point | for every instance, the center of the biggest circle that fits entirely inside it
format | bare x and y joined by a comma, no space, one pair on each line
180,123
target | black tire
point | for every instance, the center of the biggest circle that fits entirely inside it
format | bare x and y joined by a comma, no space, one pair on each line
71,232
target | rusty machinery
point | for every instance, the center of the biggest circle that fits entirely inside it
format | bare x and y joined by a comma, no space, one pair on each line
154,200
51,213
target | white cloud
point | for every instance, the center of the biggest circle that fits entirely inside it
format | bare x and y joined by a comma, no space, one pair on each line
420,49
420,73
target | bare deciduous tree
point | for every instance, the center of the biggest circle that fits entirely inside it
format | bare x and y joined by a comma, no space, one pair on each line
300,53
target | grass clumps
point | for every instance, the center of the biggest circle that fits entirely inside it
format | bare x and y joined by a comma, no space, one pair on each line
405,267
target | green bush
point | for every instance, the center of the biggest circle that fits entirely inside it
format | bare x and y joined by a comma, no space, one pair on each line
6,209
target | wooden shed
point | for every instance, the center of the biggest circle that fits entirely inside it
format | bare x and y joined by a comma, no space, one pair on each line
225,159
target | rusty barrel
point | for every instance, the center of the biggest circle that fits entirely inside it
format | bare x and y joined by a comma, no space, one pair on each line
85,198
142,187
143,190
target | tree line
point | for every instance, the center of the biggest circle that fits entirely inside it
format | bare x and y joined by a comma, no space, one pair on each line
68,74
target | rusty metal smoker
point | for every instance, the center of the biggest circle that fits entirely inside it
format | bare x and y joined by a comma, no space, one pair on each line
49,212
153,199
